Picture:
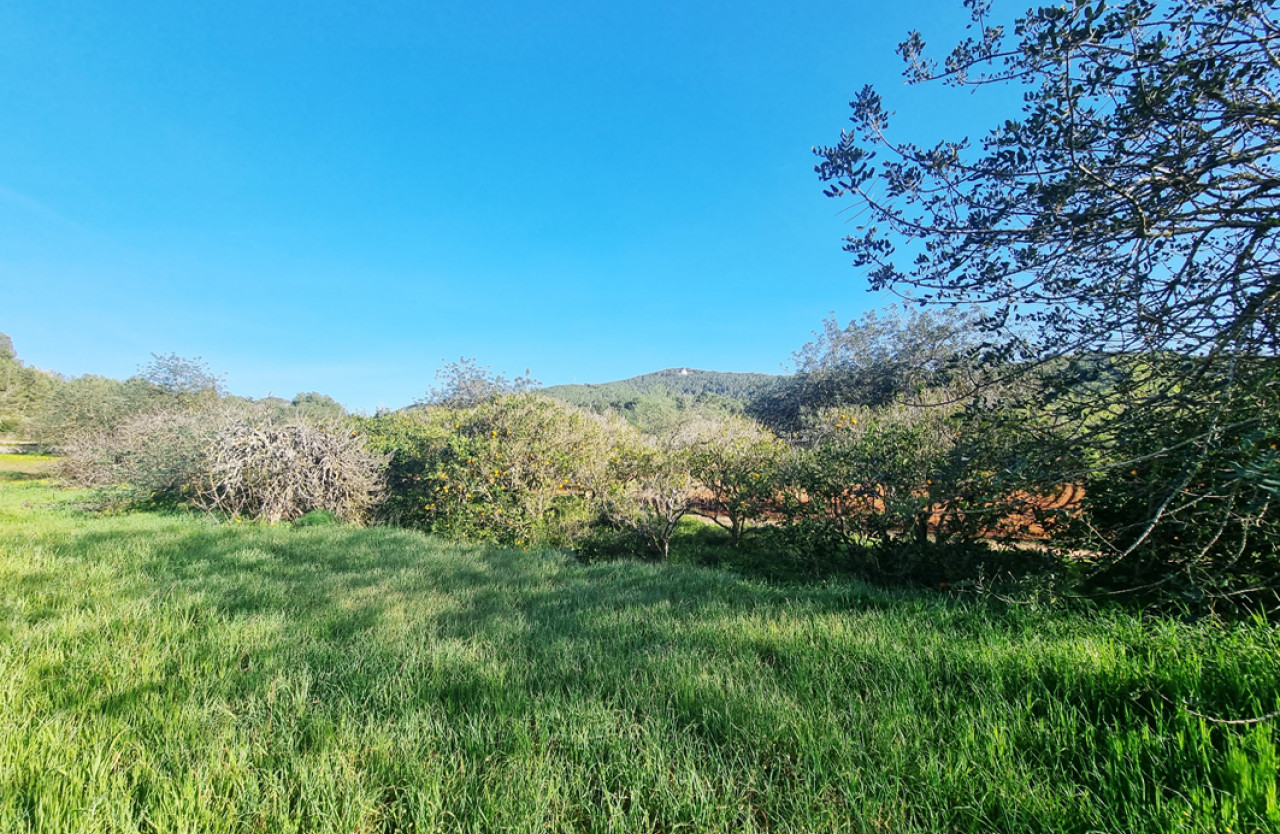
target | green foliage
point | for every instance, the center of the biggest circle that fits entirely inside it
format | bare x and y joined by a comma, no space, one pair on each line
1188,507
704,462
647,399
880,359
691,382
518,469
1125,217
736,462
92,403
868,472
316,406
23,391
658,486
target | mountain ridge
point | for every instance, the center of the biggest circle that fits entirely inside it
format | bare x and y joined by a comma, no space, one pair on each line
735,386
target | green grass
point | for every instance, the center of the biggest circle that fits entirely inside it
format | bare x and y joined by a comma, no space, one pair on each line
167,673
24,467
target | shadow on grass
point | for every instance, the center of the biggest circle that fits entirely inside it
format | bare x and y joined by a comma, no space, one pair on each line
334,584
398,624
10,477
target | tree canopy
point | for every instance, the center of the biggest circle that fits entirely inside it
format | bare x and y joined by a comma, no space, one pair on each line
1133,205
1125,221
179,375
466,383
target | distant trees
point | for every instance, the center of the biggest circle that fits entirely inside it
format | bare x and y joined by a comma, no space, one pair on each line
646,399
884,357
313,404
465,383
179,375
90,403
22,391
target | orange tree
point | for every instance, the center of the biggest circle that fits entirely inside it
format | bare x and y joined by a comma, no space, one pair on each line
517,469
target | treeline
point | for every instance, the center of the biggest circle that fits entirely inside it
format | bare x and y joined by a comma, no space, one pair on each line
651,398
899,451
24,392
47,409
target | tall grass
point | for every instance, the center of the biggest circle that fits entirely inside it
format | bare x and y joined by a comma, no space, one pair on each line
167,673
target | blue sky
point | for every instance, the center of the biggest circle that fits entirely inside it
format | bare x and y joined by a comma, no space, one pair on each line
336,196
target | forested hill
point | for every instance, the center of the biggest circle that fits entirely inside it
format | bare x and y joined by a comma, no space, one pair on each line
739,388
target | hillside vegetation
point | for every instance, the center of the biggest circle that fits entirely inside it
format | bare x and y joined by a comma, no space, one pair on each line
898,453
688,381
638,396
161,672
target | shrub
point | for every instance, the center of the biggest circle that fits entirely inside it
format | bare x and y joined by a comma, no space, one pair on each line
152,456
1190,508
867,472
279,473
656,490
683,460
735,461
89,404
228,458
517,469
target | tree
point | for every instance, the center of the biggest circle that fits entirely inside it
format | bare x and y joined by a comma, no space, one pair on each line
866,473
180,375
147,456
1121,235
464,383
882,358
313,404
23,390
734,459
520,469
90,402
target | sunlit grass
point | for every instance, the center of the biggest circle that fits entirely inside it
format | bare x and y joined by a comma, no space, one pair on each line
166,673
24,467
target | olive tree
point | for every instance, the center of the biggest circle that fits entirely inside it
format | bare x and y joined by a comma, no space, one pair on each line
466,383
181,375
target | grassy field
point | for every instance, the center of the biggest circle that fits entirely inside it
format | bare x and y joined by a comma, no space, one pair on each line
167,673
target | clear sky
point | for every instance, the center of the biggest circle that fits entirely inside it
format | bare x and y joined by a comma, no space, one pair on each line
334,195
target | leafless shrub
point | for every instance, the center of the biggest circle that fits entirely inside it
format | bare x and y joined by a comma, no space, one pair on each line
153,455
280,472
230,458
